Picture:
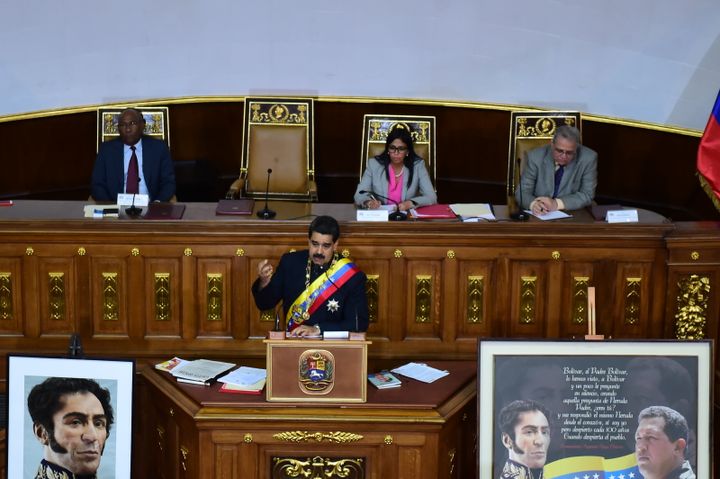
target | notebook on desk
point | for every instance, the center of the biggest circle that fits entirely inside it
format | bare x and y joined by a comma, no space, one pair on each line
243,206
164,211
437,211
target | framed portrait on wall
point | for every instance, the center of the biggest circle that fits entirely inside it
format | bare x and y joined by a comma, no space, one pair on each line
569,409
69,416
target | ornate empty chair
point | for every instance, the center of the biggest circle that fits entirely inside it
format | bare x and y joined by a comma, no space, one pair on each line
422,130
156,123
277,135
530,130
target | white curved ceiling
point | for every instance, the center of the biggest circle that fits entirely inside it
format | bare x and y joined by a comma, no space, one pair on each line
648,60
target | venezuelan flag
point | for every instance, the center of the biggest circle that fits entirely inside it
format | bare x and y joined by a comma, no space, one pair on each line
593,467
708,156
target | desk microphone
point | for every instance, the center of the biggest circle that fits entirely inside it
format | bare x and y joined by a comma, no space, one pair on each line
396,215
266,213
519,213
133,211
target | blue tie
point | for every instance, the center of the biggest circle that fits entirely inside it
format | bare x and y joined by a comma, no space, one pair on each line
558,179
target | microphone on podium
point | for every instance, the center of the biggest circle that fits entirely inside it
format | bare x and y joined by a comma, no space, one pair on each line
266,213
396,215
519,213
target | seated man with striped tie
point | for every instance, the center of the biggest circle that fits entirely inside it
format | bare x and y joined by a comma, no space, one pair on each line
133,163
559,176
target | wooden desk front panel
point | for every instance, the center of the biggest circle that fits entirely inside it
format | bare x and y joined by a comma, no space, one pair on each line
183,288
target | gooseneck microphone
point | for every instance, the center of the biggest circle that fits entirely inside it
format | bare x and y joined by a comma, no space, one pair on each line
396,215
266,213
519,213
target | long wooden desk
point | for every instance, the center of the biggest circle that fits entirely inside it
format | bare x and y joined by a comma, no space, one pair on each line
142,288
419,430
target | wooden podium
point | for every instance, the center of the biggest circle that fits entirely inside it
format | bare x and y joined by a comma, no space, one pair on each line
317,371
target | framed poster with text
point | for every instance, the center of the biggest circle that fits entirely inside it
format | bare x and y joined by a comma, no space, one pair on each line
595,410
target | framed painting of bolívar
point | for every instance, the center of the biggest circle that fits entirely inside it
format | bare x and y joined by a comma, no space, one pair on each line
69,417
594,409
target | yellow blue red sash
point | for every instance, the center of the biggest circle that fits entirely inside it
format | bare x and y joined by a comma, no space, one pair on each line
318,292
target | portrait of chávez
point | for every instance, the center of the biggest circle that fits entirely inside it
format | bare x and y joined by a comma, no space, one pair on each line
71,419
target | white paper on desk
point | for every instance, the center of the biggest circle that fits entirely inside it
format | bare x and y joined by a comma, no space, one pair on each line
552,215
473,211
421,372
244,376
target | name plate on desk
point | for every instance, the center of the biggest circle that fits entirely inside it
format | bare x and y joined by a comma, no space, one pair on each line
316,371
622,216
127,199
372,215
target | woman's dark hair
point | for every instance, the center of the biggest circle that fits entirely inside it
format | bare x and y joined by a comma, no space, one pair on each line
403,133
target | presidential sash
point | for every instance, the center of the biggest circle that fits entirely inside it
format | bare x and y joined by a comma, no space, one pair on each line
318,292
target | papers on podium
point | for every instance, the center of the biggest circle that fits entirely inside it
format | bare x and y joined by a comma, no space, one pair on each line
244,380
384,380
473,211
421,372
200,371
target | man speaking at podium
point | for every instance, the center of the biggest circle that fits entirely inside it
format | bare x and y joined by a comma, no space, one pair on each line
319,291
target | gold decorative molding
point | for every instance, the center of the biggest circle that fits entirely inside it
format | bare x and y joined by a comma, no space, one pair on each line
188,252
239,252
452,453
388,440
184,453
275,112
528,295
372,288
214,296
29,251
398,253
555,255
81,251
160,438
6,298
423,298
580,299
56,301
111,299
318,468
268,315
337,437
475,289
632,300
135,251
247,438
694,256
450,254
162,297
345,253
692,302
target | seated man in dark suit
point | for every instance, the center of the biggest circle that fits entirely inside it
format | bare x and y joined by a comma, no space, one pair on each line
558,176
133,163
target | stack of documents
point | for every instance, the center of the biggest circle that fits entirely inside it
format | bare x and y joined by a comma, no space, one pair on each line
473,211
384,380
244,380
421,372
200,371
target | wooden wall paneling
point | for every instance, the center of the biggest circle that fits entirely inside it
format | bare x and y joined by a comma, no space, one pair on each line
56,293
632,314
423,282
163,294
241,303
117,299
11,295
529,290
260,322
214,280
379,288
475,298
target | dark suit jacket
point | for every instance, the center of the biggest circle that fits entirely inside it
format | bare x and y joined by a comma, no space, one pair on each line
108,174
289,281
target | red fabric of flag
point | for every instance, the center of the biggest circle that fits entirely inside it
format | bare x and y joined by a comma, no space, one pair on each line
708,156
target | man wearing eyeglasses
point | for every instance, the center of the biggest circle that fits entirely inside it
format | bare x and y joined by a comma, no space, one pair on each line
558,176
133,163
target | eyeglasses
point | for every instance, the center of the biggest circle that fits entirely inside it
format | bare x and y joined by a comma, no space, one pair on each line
561,152
128,124
397,149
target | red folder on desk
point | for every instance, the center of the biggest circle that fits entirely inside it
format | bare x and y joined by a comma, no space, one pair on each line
164,211
434,212
235,207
